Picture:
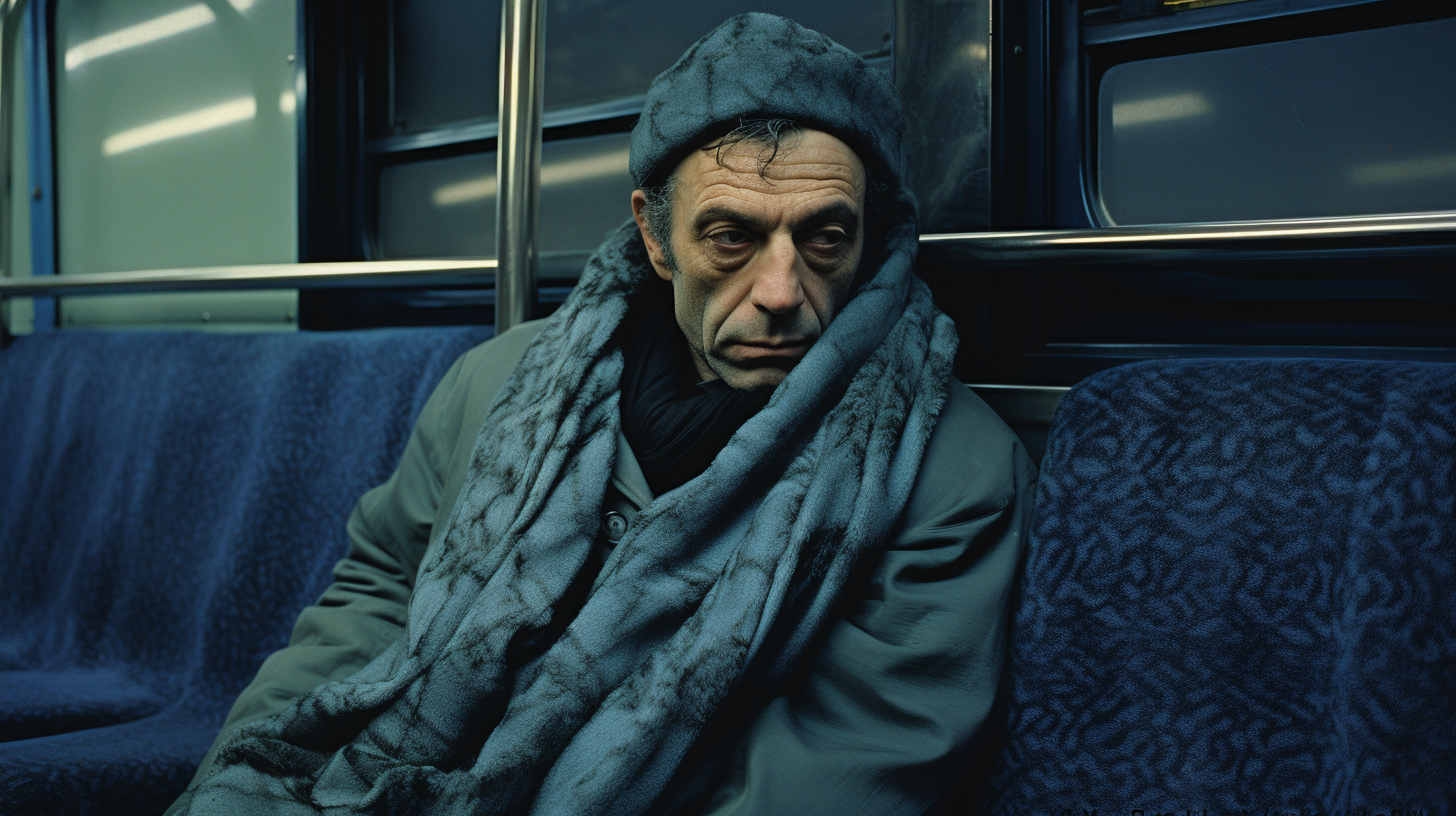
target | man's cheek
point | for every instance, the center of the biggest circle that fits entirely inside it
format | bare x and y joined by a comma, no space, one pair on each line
716,319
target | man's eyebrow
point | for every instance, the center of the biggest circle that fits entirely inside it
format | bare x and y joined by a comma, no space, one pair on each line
712,214
834,211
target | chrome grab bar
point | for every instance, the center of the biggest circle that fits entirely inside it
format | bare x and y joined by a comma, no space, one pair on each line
348,274
518,159
1433,232
11,12
1417,235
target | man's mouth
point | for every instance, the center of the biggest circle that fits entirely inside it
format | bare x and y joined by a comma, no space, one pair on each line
769,350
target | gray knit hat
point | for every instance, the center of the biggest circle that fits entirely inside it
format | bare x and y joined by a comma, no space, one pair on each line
760,66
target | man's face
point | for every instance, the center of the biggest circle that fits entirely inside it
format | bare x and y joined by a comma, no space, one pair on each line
764,262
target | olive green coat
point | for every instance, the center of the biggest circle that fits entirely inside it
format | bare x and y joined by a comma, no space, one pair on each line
903,680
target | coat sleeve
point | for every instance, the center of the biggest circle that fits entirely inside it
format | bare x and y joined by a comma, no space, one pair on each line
881,720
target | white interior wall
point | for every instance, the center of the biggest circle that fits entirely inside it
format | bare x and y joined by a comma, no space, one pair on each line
177,143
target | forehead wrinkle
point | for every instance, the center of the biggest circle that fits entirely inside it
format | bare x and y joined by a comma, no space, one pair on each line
773,194
811,155
781,171
724,182
761,211
805,173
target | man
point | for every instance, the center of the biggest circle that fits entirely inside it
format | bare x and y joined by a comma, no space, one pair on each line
722,535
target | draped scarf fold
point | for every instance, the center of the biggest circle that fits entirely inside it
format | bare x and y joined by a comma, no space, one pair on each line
714,595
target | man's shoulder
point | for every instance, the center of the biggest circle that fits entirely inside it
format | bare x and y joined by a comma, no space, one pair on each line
501,352
973,464
465,395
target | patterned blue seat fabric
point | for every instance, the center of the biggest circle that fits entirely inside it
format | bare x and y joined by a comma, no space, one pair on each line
168,504
1239,595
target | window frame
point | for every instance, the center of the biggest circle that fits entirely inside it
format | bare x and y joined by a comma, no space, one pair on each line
1089,50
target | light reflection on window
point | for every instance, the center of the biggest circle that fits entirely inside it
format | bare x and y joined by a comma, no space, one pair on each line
1395,172
464,192
1159,109
585,168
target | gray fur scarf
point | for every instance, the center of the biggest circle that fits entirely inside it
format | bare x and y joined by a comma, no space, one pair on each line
755,551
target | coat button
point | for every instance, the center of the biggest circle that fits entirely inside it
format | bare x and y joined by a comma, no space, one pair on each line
614,525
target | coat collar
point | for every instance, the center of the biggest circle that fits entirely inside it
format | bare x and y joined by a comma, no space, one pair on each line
627,476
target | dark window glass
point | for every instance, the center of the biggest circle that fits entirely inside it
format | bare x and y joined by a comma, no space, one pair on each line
445,72
443,207
446,62
446,58
446,207
601,50
1348,124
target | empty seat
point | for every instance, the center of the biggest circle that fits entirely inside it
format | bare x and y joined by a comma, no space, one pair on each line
168,504
1238,594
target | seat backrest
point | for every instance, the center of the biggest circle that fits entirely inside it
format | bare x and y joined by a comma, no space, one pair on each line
1239,593
170,501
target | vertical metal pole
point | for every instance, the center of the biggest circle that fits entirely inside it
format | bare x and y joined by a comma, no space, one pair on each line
10,15
10,12
518,160
42,198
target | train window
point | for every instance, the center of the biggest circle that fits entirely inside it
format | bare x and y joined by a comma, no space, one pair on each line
943,70
176,146
586,193
459,39
446,65
435,188
1361,122
585,68
436,207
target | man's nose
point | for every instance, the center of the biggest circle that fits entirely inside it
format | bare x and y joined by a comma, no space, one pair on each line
778,288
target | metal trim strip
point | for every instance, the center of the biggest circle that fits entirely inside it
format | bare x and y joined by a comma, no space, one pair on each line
1414,237
1207,17
1434,230
349,274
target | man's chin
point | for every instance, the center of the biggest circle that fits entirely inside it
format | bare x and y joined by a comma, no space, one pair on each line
749,377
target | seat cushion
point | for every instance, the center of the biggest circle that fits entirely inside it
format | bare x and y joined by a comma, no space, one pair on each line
41,703
169,502
1238,593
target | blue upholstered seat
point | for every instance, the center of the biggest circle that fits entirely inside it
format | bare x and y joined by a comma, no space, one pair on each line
1239,594
168,503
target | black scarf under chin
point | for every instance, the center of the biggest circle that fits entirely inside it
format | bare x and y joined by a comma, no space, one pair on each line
674,423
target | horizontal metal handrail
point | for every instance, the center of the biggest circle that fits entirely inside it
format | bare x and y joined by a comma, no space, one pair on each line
348,274
1422,235
1348,227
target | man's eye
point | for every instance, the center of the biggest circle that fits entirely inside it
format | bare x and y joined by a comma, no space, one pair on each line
828,239
730,237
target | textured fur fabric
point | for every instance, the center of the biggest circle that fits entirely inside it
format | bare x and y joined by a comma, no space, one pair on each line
717,590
